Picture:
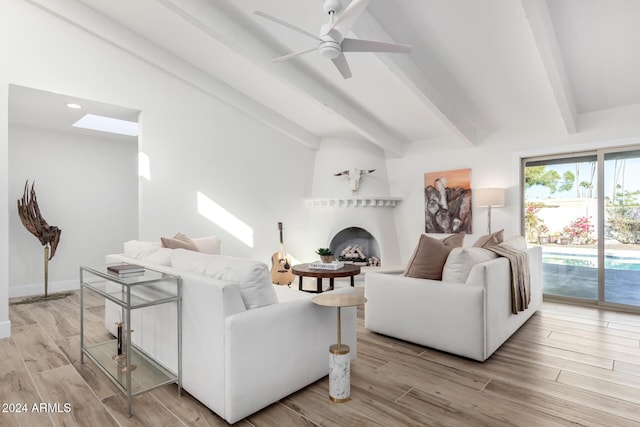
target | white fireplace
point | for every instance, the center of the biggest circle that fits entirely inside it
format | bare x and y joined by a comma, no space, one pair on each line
338,216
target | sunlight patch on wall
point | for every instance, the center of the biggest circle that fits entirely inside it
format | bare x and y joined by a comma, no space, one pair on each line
225,219
144,166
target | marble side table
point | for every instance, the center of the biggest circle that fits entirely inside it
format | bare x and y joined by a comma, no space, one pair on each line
339,360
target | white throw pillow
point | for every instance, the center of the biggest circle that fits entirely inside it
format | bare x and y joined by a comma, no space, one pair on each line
208,245
148,251
189,261
251,277
138,249
516,242
161,256
461,260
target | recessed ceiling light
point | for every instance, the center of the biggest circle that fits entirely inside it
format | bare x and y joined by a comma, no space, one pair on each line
74,106
107,124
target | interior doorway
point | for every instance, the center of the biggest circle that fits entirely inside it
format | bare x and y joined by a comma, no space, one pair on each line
86,181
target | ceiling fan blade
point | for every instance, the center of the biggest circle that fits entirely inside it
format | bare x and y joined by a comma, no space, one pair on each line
357,45
286,24
292,55
341,64
348,17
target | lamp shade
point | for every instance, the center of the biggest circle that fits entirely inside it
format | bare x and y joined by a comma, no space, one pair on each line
489,197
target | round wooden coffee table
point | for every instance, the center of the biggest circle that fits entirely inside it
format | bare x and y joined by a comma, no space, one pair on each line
303,270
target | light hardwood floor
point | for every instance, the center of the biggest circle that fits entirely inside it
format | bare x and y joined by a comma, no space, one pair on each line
567,365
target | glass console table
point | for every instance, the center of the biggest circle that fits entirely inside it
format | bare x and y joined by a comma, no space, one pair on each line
128,366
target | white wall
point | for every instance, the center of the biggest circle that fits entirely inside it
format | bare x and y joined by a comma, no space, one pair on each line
495,162
251,171
195,142
87,186
5,325
339,154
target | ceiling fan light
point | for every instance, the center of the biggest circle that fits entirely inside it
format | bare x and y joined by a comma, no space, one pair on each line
330,50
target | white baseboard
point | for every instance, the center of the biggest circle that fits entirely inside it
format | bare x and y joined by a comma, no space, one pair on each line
5,329
38,288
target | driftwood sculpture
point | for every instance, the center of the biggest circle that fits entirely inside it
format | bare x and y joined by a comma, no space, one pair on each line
32,219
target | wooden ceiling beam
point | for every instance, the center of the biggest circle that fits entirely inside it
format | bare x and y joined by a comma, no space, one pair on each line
412,76
229,28
539,18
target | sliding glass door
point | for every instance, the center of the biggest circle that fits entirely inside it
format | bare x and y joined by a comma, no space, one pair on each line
560,205
584,210
621,192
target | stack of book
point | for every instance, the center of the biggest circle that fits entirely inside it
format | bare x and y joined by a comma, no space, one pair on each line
126,270
336,265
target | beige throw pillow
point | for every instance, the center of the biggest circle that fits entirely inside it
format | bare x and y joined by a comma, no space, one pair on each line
179,241
490,240
430,255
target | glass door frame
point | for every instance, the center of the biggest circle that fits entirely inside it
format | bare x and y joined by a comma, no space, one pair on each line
600,229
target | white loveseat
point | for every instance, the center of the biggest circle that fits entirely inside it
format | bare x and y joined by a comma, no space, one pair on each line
470,318
235,360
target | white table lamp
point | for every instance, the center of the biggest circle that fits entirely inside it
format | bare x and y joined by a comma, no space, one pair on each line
489,197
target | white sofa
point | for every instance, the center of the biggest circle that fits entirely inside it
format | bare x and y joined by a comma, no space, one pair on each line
470,318
235,360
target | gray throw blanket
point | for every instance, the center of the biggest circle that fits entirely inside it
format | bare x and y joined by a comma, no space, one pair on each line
520,276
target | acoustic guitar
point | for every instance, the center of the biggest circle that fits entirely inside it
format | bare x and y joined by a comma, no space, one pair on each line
281,273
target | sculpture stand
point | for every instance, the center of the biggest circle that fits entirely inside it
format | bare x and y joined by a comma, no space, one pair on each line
46,296
46,270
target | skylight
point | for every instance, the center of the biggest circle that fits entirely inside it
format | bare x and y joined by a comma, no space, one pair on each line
107,124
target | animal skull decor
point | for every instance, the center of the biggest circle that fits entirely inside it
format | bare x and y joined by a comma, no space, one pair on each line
354,176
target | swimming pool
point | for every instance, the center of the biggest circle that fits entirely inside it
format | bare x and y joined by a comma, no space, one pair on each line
611,262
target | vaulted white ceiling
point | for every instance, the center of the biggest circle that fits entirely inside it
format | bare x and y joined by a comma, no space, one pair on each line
475,66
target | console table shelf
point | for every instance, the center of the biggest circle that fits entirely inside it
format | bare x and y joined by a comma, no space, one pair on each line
148,374
132,370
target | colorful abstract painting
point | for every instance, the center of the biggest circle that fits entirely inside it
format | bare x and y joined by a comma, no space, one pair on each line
447,201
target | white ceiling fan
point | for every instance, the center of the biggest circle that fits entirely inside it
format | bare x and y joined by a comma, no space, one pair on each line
333,42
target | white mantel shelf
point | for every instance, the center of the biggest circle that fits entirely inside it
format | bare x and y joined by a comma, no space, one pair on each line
354,201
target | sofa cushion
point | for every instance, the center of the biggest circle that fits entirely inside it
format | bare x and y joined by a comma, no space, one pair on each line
490,239
430,255
134,248
251,277
147,251
208,245
461,260
179,241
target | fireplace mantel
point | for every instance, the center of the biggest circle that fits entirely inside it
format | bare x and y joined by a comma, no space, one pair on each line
354,201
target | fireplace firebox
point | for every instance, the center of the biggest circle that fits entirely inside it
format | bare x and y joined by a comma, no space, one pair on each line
356,245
